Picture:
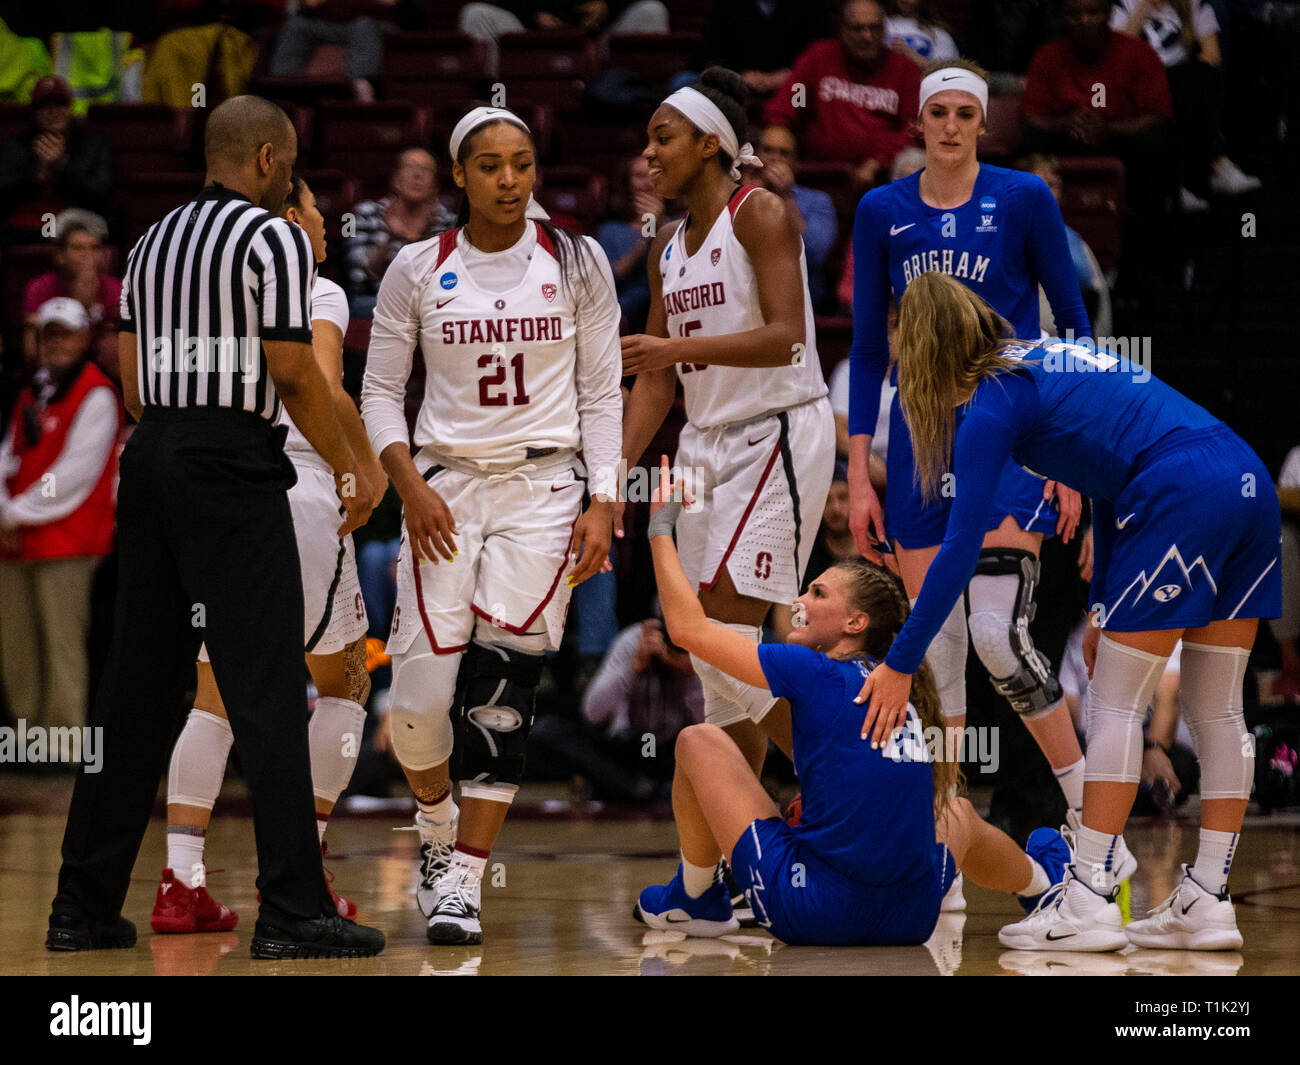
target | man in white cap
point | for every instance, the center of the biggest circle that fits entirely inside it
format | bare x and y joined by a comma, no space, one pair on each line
58,468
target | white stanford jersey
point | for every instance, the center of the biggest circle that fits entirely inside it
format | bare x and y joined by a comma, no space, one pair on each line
328,302
535,366
713,293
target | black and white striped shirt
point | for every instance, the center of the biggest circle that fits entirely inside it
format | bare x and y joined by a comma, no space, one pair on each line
203,288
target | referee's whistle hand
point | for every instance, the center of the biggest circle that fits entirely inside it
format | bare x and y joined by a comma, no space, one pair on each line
357,507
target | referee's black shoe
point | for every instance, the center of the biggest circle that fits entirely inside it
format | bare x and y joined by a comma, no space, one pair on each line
75,931
277,935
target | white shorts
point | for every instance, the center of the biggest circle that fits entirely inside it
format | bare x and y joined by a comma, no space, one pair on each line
760,489
512,542
334,613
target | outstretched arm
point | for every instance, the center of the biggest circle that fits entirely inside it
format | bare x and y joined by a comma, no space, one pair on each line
688,627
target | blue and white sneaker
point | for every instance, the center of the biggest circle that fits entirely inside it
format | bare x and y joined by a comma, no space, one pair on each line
1048,848
667,907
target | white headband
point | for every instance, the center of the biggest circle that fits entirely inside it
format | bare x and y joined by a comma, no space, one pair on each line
958,78
480,116
707,117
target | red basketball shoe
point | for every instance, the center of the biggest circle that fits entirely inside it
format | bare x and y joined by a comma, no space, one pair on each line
178,908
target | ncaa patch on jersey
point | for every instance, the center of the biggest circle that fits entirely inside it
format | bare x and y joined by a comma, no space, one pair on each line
448,281
988,203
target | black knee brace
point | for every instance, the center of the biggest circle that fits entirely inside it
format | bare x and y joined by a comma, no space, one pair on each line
493,713
1033,688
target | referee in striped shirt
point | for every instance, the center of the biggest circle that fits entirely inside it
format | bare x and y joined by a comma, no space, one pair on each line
215,335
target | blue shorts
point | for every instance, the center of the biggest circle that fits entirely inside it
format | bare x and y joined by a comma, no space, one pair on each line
1197,537
914,522
803,902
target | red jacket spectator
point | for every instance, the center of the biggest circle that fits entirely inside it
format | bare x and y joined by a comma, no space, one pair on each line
849,114
1059,83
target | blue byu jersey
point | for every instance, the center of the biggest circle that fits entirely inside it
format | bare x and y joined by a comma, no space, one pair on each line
1005,241
1070,414
868,814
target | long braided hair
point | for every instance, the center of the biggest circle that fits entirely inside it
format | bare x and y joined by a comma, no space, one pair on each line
878,593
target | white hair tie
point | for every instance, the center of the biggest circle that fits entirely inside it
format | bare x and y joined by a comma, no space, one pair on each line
481,116
707,117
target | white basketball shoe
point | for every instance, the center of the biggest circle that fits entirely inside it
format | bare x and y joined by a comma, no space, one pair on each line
1074,918
1190,919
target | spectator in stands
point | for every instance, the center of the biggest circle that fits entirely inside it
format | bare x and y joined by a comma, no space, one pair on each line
1092,282
906,163
1097,92
1185,35
207,41
58,464
55,163
1003,35
834,541
637,211
1286,629
77,273
487,22
853,99
811,210
913,29
761,38
643,695
411,212
358,25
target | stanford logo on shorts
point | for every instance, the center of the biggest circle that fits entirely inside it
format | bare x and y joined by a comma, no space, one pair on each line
715,255
548,293
763,565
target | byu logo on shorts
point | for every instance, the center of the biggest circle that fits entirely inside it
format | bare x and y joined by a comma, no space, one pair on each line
448,281
548,293
1166,592
715,255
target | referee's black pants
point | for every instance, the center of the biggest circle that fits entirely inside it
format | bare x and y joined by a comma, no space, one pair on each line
206,552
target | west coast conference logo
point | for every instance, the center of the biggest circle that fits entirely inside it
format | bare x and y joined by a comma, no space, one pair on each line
987,206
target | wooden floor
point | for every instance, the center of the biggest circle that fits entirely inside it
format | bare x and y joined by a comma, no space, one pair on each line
559,897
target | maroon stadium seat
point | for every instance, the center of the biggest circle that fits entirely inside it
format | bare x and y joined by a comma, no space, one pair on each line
834,338
1092,200
324,77
657,57
1003,122
363,140
426,67
149,196
574,191
548,66
145,138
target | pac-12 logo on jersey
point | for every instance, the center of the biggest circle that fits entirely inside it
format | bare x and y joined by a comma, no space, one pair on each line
715,255
548,292
448,281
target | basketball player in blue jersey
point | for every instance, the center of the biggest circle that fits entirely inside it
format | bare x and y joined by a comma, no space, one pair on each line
1187,529
1000,233
863,866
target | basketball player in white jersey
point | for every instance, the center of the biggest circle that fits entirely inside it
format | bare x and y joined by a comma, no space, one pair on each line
334,638
518,325
731,317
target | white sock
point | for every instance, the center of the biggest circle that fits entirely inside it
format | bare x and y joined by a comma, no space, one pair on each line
476,862
1071,780
697,878
432,819
185,854
1094,858
1038,882
1214,859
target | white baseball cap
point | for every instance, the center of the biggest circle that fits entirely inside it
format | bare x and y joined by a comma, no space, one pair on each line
64,311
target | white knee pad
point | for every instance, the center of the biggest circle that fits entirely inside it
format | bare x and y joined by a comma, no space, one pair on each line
726,699
419,705
334,736
198,763
1210,694
1124,680
947,661
529,643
